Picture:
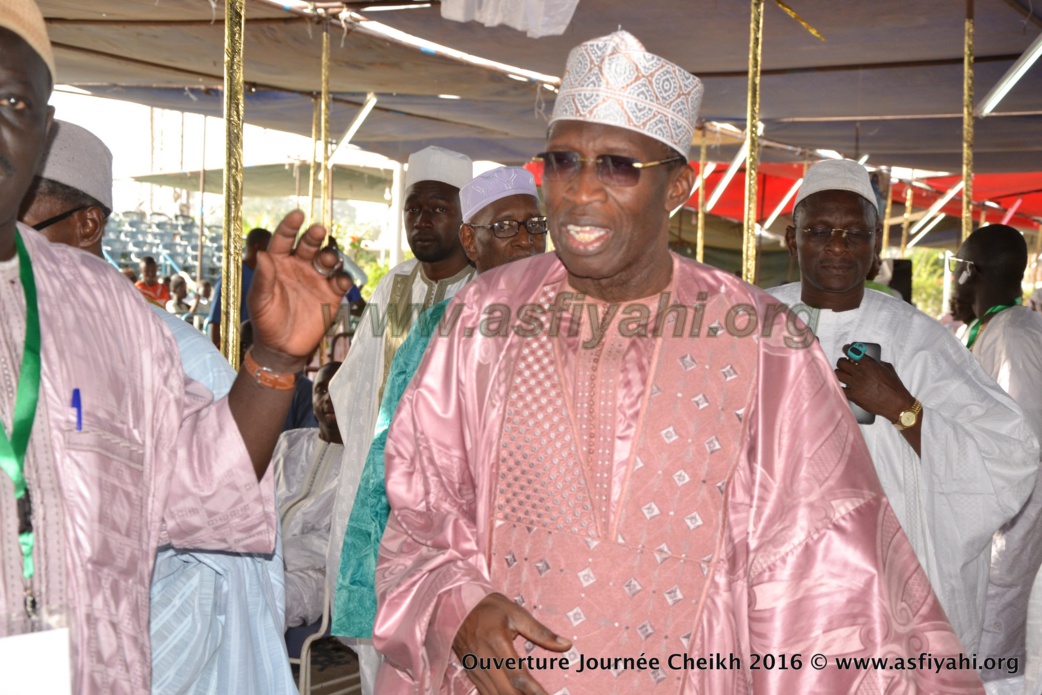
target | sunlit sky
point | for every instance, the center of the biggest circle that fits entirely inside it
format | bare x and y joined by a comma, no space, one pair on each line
145,140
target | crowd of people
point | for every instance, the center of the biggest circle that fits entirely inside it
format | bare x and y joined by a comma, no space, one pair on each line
589,469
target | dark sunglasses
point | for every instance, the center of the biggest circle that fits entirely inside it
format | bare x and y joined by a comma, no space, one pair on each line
612,169
58,218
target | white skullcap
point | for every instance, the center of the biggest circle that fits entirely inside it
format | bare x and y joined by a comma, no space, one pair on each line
439,164
613,80
23,17
77,158
494,185
837,175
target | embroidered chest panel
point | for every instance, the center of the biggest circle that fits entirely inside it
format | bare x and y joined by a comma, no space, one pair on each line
620,572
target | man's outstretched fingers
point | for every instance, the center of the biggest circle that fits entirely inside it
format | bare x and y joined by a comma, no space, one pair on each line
285,235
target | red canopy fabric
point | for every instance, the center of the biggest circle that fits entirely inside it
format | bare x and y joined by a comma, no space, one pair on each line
1004,189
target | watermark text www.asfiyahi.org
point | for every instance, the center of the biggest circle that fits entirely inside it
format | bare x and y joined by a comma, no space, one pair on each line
569,311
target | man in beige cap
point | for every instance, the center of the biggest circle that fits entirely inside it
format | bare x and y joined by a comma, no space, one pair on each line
953,452
432,218
106,459
608,495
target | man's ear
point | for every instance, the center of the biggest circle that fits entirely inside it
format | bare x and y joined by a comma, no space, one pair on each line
466,239
790,241
680,187
92,227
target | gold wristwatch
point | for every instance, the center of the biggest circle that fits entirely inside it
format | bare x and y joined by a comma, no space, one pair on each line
909,417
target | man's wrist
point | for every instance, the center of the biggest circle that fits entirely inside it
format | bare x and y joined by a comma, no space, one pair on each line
276,361
910,416
894,413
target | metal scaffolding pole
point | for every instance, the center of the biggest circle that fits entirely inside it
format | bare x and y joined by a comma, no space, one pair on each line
752,155
202,209
326,187
906,223
967,126
313,169
700,235
886,216
231,284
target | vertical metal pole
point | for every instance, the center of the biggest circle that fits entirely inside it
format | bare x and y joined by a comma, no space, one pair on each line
151,153
1038,256
313,171
752,157
967,126
296,181
700,235
397,205
326,191
231,287
181,164
886,216
907,219
332,200
202,208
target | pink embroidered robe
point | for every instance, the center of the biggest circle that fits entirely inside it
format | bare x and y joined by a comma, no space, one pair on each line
644,496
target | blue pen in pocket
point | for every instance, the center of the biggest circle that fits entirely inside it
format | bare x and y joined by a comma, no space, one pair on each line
77,405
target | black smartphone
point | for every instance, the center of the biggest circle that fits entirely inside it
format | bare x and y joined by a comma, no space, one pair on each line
855,351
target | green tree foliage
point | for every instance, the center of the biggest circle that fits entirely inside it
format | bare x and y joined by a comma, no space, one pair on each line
928,280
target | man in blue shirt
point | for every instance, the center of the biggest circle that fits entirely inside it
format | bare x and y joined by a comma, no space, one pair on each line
257,239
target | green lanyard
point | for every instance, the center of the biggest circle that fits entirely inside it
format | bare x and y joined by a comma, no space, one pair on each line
977,324
12,451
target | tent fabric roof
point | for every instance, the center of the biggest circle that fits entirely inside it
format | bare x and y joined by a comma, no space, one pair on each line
887,81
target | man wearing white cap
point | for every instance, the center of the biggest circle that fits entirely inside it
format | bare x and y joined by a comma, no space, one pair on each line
502,224
106,459
71,197
201,603
953,452
611,487
431,213
1007,341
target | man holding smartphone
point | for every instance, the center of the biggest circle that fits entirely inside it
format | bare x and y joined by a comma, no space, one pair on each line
952,450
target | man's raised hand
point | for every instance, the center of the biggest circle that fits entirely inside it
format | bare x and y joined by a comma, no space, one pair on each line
290,287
